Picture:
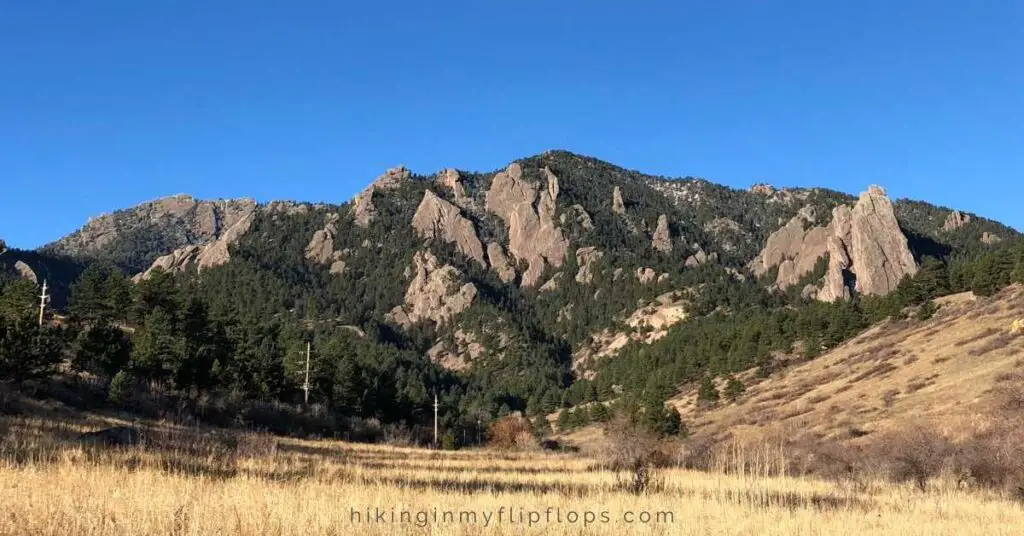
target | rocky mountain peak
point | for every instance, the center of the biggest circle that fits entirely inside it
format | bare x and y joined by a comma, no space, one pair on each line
528,211
363,208
865,243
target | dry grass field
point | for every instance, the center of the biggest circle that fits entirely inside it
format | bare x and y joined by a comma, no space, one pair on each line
952,372
186,481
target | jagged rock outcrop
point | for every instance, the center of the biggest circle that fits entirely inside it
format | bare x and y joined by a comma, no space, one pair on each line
529,212
865,243
762,189
362,205
466,349
452,180
989,238
321,247
956,220
645,275
700,257
236,222
434,294
174,262
552,284
794,249
3,246
879,250
661,240
173,222
26,272
580,215
500,263
618,206
586,258
437,218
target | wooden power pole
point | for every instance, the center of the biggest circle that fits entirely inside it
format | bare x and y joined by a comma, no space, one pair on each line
305,384
43,299
436,406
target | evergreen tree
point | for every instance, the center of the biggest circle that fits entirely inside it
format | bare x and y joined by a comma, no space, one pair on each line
734,388
158,350
707,393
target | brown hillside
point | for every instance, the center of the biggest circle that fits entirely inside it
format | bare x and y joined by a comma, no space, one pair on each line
954,373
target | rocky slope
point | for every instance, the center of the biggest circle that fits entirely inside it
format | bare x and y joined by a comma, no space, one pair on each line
136,237
548,261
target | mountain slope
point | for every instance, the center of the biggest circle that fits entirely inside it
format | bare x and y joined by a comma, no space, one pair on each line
519,277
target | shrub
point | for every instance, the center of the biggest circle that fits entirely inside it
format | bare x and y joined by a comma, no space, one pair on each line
509,432
120,388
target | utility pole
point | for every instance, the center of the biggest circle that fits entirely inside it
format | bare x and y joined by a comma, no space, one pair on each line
436,406
43,299
305,384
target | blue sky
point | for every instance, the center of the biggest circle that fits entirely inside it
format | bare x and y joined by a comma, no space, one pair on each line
106,104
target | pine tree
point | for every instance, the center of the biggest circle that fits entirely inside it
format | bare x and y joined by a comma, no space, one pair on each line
707,393
734,388
158,351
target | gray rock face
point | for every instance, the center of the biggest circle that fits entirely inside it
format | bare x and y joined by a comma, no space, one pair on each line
434,294
26,272
321,247
956,220
700,257
990,238
879,250
452,180
178,221
645,275
437,218
661,240
578,213
618,206
865,242
585,259
236,222
500,263
529,212
363,209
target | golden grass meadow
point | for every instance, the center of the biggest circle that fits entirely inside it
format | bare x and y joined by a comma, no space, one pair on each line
190,481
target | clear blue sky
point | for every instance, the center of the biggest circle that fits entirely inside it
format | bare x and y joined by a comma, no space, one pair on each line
106,104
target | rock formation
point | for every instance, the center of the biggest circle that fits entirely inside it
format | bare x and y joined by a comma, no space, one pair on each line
26,272
452,180
434,293
585,259
864,243
321,247
879,250
700,257
529,212
363,209
227,228
990,238
956,220
500,263
645,275
437,218
661,240
618,206
174,222
578,213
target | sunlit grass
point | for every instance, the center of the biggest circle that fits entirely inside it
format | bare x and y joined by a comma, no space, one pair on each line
192,482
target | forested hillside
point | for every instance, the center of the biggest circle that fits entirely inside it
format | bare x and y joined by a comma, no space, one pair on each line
554,282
